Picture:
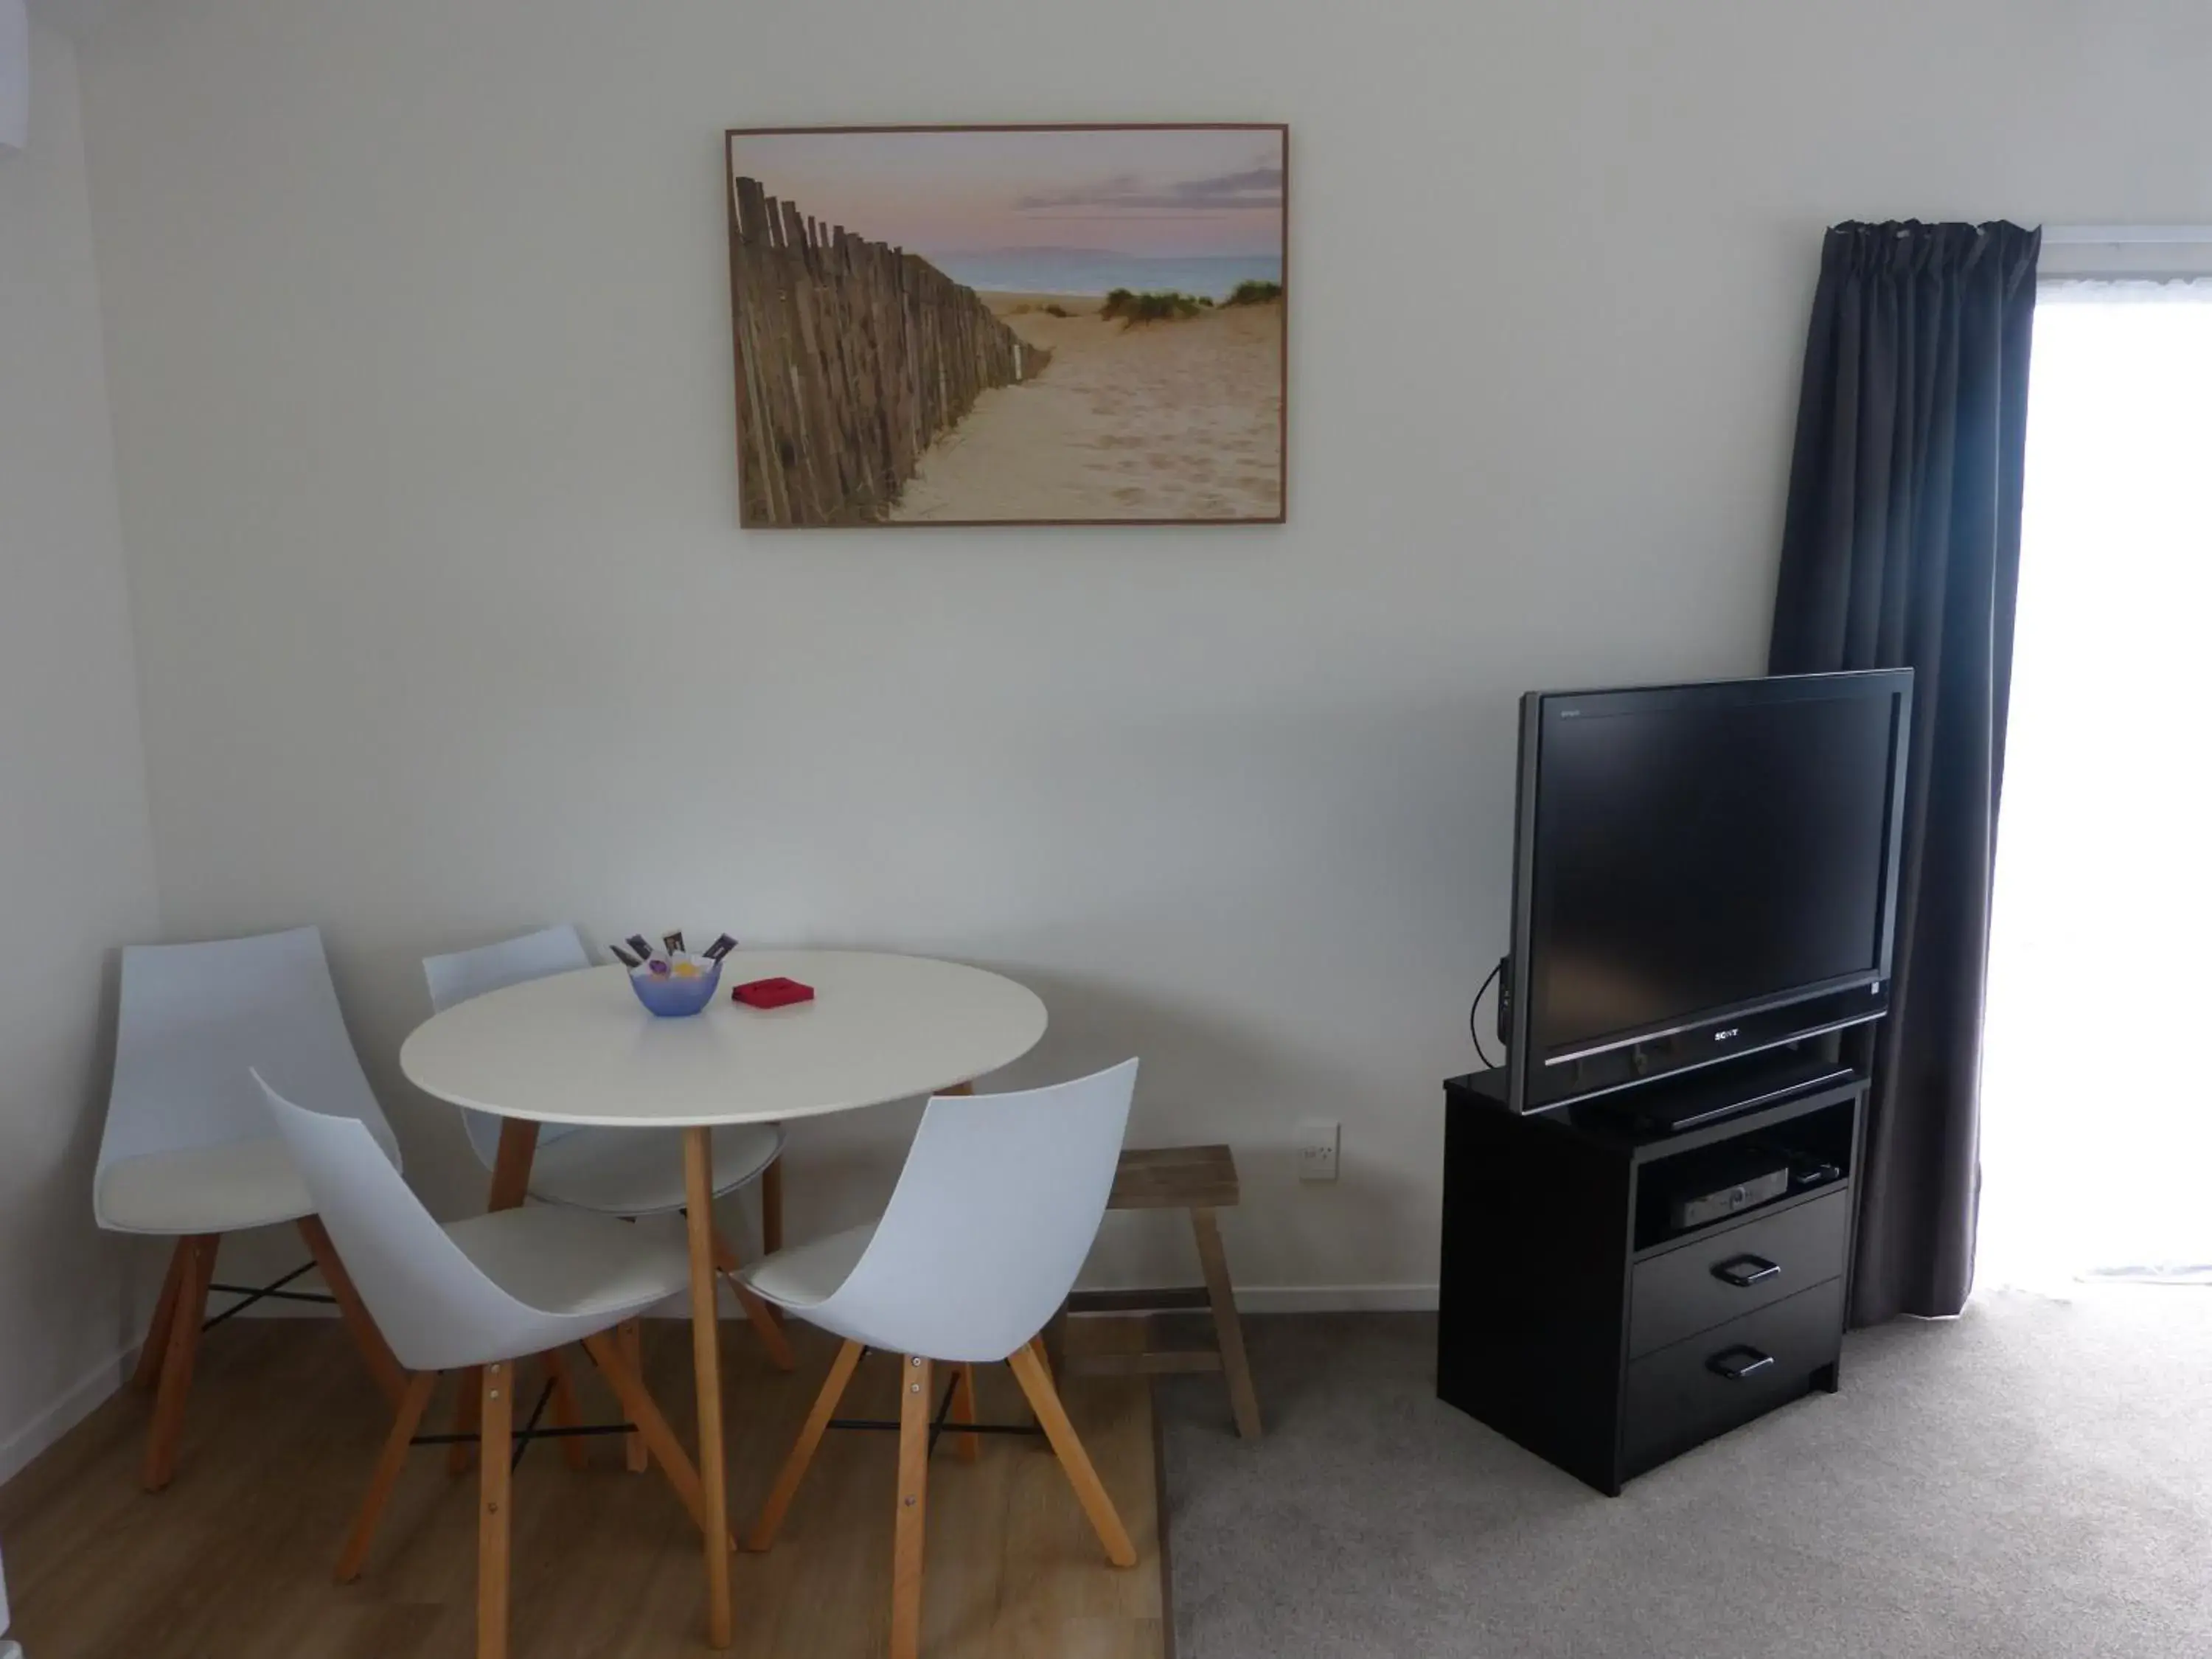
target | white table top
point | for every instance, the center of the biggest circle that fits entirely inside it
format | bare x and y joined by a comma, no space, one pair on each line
579,1049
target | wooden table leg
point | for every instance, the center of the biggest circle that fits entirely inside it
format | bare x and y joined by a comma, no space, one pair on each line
510,1185
510,1169
707,1368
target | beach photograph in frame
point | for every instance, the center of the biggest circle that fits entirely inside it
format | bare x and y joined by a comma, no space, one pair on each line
1009,324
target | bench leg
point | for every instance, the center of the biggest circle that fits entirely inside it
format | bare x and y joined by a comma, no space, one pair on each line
1228,1329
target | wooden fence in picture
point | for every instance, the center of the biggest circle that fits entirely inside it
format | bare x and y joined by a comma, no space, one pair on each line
852,357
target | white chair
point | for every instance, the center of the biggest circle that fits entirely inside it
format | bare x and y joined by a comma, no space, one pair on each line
187,1152
478,1294
623,1172
994,1212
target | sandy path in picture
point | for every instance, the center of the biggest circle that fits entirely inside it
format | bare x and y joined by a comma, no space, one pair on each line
1165,420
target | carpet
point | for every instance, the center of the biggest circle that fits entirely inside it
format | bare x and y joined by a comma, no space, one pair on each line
2032,1478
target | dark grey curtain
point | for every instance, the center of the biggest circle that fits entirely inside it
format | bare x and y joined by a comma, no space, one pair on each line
1902,549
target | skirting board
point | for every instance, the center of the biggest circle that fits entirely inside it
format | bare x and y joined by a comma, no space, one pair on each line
1250,1298
65,1414
1335,1298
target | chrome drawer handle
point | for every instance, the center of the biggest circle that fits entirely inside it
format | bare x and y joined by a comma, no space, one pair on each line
1745,1271
1738,1363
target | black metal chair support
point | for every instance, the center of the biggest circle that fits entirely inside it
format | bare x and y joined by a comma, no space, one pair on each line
273,1291
938,1426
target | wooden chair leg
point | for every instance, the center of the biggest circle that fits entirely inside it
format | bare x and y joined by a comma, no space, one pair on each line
967,1446
495,1492
803,1448
389,1462
1051,1342
912,1508
630,1341
157,1345
1228,1329
1041,1346
567,1414
510,1187
390,1376
653,1429
1044,1400
771,1202
181,1349
727,1262
468,1408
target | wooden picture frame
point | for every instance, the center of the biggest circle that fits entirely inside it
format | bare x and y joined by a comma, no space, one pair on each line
929,348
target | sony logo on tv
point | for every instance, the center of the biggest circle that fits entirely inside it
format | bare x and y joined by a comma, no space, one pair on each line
1733,1030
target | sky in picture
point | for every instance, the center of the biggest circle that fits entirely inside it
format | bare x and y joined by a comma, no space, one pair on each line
1071,212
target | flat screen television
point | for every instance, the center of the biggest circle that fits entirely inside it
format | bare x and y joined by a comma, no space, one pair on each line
1700,871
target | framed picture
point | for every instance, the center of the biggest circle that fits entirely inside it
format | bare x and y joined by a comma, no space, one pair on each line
1010,325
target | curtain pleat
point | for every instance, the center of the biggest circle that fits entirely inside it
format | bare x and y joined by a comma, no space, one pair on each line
1901,549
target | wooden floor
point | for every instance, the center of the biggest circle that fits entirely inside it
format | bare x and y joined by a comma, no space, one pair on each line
233,1561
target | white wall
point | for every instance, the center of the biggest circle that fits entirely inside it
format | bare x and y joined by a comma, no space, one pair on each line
420,325
77,875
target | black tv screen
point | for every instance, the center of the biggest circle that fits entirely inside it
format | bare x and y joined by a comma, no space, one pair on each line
1693,853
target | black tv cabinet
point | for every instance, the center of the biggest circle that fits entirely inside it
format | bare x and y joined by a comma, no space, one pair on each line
1576,1319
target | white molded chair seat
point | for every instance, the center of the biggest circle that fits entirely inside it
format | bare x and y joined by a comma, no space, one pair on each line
806,1275
996,1208
571,1264
203,1189
623,1172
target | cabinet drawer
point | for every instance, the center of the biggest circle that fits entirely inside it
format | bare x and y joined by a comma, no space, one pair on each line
1694,1288
1680,1395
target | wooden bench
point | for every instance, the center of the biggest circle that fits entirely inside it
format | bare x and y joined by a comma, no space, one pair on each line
1201,1180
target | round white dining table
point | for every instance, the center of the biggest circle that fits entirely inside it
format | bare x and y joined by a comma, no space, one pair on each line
578,1049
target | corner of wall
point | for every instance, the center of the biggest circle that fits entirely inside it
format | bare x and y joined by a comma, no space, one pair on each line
78,857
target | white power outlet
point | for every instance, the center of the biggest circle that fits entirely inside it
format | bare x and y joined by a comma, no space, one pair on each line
1317,1142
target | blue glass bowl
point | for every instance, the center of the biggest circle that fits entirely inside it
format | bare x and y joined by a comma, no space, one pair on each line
671,997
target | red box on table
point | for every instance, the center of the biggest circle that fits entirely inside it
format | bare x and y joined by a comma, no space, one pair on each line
777,993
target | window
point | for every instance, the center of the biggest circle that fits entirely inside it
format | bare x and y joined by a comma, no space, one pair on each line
2097,1115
